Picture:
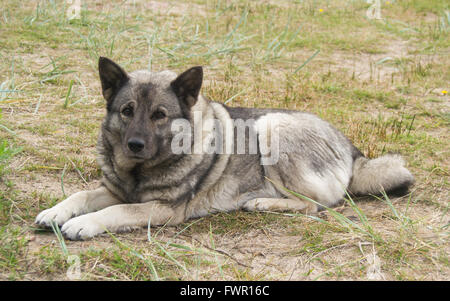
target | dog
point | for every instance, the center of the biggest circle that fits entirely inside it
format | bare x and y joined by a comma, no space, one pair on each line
169,154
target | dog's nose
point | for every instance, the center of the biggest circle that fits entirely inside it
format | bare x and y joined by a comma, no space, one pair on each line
135,145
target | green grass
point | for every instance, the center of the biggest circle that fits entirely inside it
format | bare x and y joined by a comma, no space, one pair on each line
379,81
6,152
12,251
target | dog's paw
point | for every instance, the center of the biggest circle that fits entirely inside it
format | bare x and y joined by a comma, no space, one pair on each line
82,227
62,212
58,214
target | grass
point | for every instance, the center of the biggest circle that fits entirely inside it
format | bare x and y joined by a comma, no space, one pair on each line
6,152
379,81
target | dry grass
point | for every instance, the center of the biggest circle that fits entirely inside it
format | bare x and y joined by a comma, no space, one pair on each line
379,81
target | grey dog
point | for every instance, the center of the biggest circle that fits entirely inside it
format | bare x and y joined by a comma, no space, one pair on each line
220,168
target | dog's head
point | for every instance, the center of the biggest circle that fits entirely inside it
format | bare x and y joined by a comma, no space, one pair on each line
142,105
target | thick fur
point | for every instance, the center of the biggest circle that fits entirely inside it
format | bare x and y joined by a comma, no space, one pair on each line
386,173
144,181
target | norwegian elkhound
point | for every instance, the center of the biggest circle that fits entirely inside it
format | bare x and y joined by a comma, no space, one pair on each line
168,154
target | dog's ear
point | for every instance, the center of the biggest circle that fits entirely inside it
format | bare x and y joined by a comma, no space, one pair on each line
187,85
112,77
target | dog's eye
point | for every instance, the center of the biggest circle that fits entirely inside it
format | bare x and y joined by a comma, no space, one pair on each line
128,111
158,115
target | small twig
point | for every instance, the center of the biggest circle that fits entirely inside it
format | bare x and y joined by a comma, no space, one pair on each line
37,105
6,129
78,171
329,249
218,251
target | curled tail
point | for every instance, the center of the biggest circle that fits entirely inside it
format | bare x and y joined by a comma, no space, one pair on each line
372,176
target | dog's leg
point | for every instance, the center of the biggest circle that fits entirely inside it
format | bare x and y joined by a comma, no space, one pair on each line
77,204
279,204
121,218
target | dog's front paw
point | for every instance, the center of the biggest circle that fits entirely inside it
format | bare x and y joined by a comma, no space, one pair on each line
58,214
62,212
82,227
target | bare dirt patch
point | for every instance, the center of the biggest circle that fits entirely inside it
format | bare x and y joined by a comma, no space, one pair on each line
375,67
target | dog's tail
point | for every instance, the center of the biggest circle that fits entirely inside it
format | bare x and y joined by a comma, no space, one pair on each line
386,173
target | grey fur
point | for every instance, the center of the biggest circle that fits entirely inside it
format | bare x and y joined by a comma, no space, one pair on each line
144,181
